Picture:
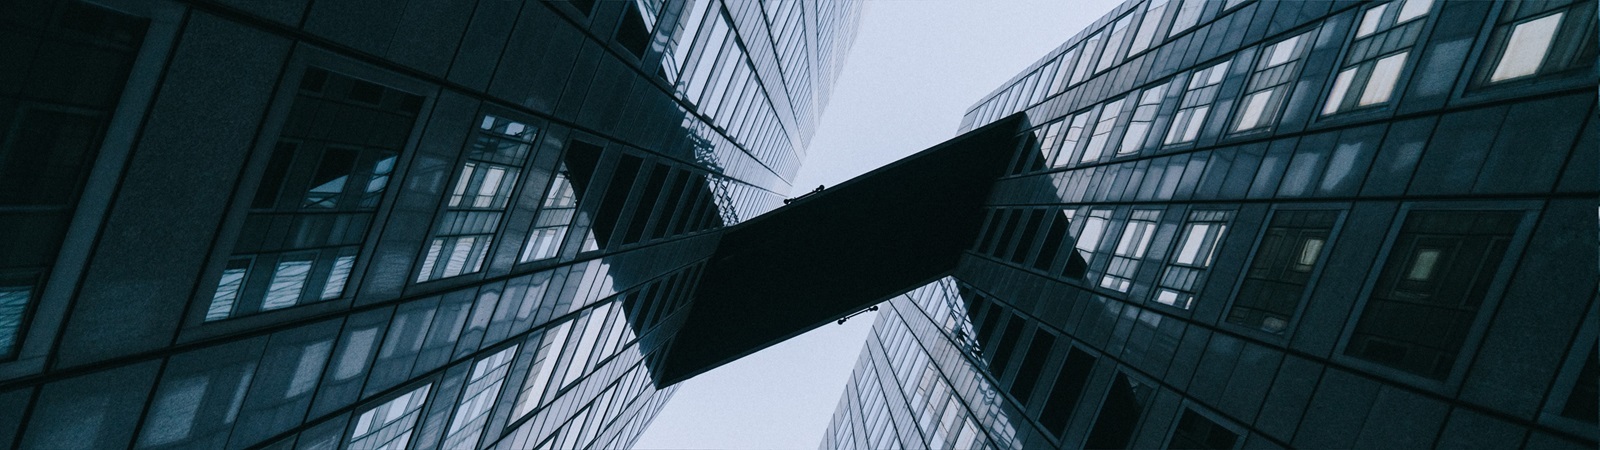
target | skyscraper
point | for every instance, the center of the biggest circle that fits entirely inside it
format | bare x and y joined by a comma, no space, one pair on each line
359,224
1254,224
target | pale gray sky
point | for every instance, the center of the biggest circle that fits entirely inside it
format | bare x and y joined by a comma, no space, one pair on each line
915,68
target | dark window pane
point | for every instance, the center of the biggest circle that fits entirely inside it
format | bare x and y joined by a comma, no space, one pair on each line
616,197
1025,243
1006,347
647,204
1032,365
1285,261
1119,415
1584,400
1052,242
633,34
1068,388
1197,432
1429,291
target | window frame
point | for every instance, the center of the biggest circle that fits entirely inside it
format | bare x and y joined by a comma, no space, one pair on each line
1317,270
1491,43
1493,294
1351,97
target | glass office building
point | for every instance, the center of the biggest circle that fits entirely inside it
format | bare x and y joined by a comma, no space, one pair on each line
368,224
1254,224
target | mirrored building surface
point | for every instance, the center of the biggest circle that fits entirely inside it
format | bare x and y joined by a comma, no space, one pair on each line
1255,224
355,224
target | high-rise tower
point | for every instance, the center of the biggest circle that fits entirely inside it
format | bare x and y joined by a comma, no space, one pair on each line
376,224
1255,224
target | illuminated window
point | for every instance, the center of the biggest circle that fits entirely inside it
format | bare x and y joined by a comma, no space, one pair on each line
483,389
1131,248
1148,26
478,201
317,197
390,425
1270,83
1116,34
1377,55
1102,131
1188,15
1070,137
1144,116
1533,39
1202,91
1197,247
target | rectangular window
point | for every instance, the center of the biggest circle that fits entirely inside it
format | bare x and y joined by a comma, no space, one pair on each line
1067,390
1188,15
483,389
1091,48
1093,231
551,342
1053,238
1120,413
1197,246
1286,259
1198,432
482,193
389,425
1070,137
1532,39
1144,117
1115,36
1032,364
1006,347
1063,70
1149,26
63,79
1435,278
317,197
1204,85
1377,55
1131,248
1270,83
1102,131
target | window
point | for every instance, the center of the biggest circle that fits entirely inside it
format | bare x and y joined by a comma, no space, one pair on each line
1144,117
1133,245
64,78
389,426
1067,390
483,389
1583,403
317,197
1093,231
1188,15
1202,91
1070,137
1377,55
1063,70
1271,83
1285,261
1435,278
1115,36
1006,347
1053,238
1119,413
1032,364
477,203
1041,144
1532,39
637,24
1148,26
1198,432
551,342
1091,48
1197,248
1102,131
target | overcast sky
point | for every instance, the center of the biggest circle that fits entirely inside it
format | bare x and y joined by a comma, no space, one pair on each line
915,68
